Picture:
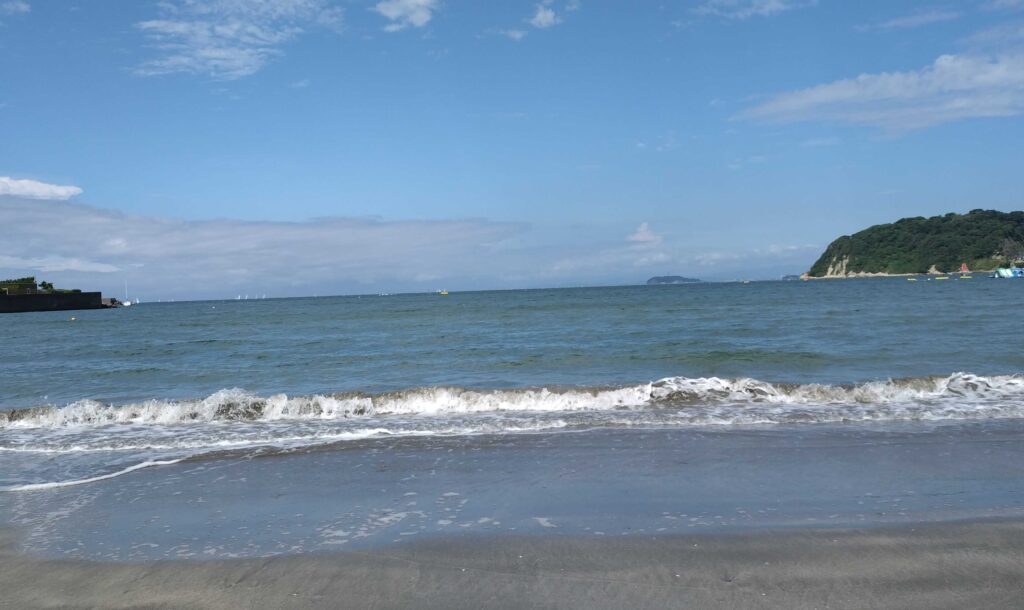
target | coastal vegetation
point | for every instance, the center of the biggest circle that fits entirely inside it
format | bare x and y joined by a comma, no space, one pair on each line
28,285
983,239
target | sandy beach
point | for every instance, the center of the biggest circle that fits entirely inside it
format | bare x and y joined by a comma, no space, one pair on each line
964,565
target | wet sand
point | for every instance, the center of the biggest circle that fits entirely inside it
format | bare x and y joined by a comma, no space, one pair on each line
960,565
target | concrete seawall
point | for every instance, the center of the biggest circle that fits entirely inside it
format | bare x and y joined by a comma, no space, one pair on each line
58,301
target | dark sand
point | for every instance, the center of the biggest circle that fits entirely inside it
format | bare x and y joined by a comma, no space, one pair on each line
962,565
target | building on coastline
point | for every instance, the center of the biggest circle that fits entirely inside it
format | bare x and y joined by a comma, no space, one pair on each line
25,294
21,285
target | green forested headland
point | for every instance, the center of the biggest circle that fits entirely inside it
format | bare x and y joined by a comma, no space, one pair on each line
984,239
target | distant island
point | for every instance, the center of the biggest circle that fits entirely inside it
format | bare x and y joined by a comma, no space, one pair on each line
983,239
671,279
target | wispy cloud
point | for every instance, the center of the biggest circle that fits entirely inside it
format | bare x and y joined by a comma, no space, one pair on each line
406,13
14,7
915,20
33,189
228,39
820,142
952,88
745,9
999,5
515,35
998,39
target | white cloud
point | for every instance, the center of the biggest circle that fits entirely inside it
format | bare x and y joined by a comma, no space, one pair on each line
644,235
745,9
14,7
406,13
544,16
33,189
228,39
954,87
915,20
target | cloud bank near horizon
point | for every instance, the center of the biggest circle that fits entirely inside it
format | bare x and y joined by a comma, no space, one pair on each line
88,247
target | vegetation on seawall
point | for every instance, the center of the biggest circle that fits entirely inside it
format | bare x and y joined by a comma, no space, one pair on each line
984,239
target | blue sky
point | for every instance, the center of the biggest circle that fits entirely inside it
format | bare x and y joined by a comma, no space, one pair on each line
360,146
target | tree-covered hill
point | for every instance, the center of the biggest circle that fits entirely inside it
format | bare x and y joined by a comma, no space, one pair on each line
983,239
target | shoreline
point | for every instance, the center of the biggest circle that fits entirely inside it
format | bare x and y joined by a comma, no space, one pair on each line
933,565
864,275
869,276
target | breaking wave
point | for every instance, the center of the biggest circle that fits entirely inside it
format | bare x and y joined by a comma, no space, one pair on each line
97,441
955,396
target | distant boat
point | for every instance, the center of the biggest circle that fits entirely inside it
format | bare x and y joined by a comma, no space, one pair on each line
128,302
443,293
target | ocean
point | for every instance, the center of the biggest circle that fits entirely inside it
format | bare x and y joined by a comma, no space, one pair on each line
254,427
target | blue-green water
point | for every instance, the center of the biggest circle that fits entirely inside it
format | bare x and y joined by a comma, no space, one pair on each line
800,332
133,433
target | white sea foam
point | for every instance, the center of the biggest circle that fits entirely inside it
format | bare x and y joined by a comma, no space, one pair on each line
55,484
938,396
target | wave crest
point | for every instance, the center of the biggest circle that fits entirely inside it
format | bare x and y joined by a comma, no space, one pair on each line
238,405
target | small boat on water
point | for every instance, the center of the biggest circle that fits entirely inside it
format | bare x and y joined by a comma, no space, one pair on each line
1008,273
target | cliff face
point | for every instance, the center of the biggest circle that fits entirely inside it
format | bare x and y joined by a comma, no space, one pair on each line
920,245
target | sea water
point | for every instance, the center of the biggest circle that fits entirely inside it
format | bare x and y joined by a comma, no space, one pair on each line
147,406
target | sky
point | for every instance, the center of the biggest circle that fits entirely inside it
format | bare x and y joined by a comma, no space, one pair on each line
206,149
